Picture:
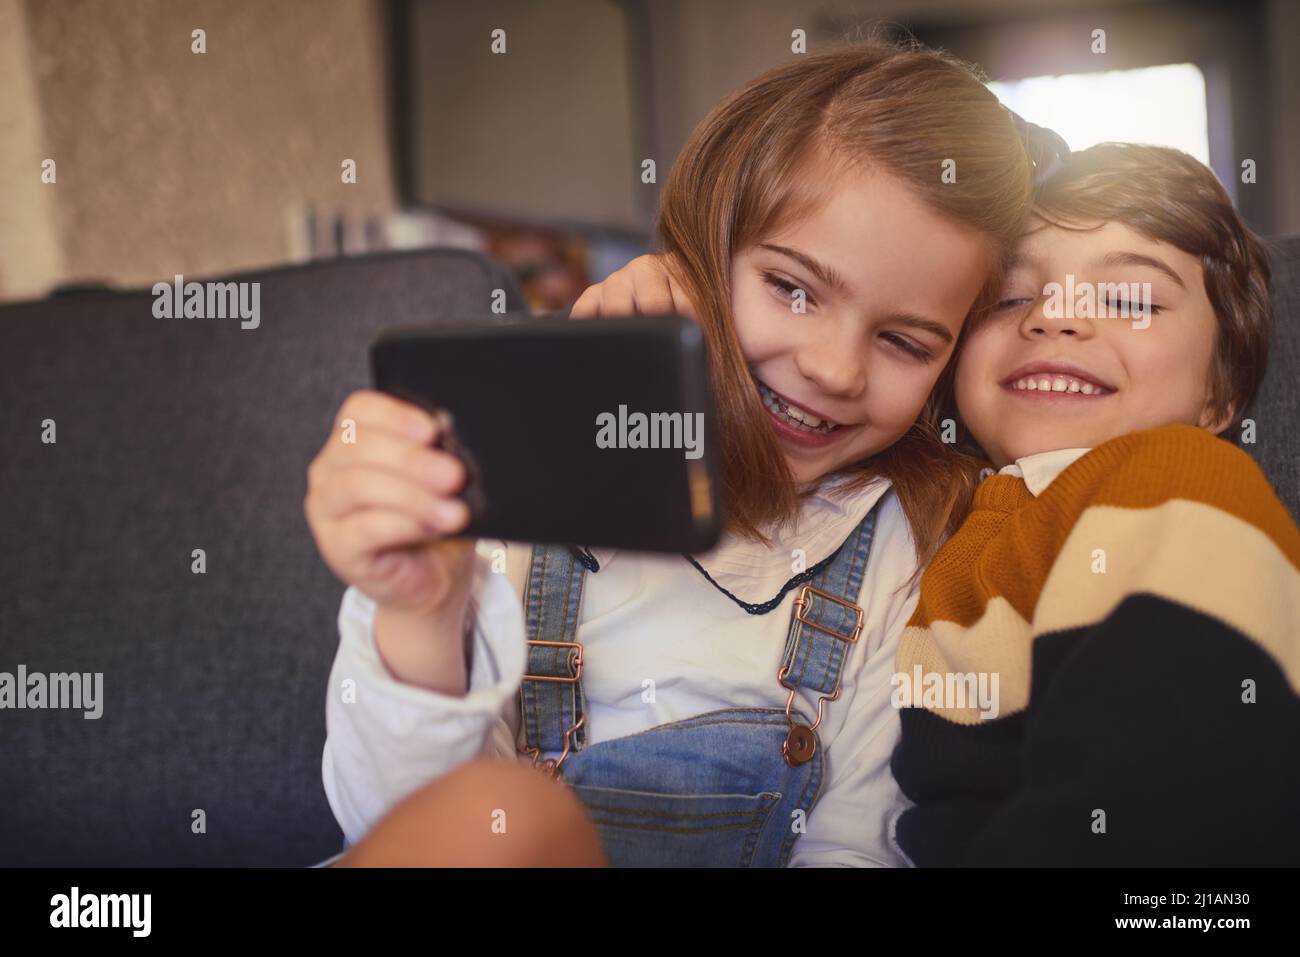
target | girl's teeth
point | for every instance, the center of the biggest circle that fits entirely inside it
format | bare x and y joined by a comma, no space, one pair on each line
1074,386
806,418
1044,384
803,421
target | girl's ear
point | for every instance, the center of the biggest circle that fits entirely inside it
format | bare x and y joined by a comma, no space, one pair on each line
1217,422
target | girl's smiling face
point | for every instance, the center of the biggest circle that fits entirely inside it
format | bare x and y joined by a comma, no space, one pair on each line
886,285
1093,378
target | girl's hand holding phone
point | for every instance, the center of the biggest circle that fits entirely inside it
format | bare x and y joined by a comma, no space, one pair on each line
381,503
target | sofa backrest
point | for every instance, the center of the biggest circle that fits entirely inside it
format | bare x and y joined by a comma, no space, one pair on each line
1276,410
175,435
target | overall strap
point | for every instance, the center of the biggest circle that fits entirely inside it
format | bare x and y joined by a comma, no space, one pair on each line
827,619
825,623
551,702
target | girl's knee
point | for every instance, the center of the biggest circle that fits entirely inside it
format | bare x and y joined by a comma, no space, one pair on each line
485,814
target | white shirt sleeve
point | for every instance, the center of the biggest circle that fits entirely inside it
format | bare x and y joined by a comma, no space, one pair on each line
385,739
852,825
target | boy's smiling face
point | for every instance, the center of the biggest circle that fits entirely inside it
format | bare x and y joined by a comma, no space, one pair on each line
1093,379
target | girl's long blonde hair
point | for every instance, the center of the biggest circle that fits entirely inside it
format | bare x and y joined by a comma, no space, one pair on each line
745,173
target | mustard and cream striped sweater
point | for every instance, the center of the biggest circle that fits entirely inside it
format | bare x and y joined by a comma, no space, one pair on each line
1140,622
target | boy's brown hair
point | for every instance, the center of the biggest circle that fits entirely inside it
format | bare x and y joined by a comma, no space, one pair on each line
1169,196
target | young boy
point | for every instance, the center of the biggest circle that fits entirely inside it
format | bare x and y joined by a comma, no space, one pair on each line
1130,581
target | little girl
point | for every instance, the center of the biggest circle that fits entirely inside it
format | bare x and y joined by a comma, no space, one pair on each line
832,224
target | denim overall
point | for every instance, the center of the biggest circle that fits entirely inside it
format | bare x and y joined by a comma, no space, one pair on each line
720,789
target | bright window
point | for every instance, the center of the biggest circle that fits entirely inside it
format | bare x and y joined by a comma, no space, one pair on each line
1160,105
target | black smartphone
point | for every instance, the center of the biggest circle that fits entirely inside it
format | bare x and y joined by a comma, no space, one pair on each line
593,432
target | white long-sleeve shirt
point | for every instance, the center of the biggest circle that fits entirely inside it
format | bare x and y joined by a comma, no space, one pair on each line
660,643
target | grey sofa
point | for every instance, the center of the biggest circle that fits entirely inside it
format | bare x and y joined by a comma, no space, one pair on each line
176,435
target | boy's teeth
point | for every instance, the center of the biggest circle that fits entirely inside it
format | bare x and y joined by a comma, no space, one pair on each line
1058,383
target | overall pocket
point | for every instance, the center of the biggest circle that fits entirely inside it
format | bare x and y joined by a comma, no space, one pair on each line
643,829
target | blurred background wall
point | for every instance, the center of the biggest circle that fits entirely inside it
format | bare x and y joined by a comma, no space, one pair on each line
170,161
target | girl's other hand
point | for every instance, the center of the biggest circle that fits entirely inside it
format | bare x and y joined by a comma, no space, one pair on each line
643,286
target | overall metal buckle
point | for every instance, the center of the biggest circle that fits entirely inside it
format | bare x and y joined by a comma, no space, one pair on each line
801,741
551,766
802,604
